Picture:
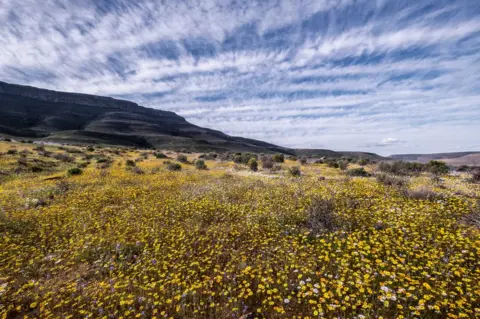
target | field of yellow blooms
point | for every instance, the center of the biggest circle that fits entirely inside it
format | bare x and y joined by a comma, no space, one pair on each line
114,242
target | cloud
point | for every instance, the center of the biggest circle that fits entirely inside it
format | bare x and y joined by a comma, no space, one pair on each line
389,141
344,75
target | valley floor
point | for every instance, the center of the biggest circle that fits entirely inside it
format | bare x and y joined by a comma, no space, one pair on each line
140,241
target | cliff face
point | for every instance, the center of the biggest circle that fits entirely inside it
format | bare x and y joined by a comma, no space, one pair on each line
74,98
63,97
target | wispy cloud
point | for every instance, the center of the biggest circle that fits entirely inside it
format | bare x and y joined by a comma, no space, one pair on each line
389,141
337,74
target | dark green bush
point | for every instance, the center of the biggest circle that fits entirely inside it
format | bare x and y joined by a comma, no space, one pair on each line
252,164
437,168
174,167
278,158
101,160
295,171
237,159
401,168
246,158
363,161
182,158
476,176
129,163
200,165
73,150
342,164
36,169
74,171
359,172
331,163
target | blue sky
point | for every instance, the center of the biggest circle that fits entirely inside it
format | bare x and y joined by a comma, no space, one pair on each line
374,75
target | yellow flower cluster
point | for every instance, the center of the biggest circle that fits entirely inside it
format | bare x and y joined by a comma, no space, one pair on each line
218,244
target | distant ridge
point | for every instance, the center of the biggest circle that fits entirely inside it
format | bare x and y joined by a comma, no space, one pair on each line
47,115
454,158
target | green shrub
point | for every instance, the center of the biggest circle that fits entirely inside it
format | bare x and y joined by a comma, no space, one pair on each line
401,168
12,152
101,160
342,165
276,167
238,159
73,151
182,158
246,157
476,176
83,164
129,163
278,158
303,160
200,165
437,168
252,164
363,161
295,171
359,172
331,163
243,158
36,169
174,167
74,171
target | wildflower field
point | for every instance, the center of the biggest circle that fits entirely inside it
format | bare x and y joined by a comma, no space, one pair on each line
103,233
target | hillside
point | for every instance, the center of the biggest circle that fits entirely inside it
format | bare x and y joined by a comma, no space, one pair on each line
80,118
46,115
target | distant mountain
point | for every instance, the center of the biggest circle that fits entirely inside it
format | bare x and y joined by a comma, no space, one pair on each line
329,153
30,112
455,158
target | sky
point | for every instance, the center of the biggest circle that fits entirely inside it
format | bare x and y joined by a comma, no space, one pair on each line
372,75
